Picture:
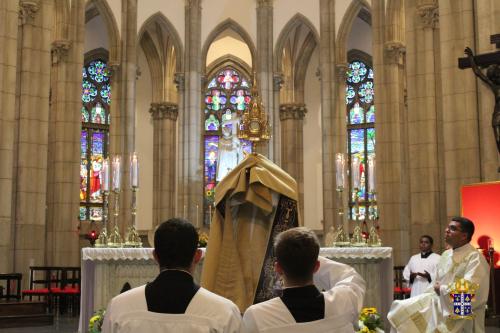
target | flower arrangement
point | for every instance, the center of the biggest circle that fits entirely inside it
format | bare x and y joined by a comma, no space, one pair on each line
370,321
203,239
95,322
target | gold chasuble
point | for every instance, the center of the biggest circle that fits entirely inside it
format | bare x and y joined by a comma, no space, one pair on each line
253,203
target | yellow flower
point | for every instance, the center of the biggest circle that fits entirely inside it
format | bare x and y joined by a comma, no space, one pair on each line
368,311
94,319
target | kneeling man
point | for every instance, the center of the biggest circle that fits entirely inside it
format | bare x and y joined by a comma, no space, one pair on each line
172,302
302,307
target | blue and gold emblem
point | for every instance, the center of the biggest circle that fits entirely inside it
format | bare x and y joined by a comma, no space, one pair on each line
462,295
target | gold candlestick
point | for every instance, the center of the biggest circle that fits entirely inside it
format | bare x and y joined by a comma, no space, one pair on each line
341,238
357,236
373,238
132,238
102,240
115,239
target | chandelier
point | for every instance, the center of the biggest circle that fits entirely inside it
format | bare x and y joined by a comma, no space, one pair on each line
254,124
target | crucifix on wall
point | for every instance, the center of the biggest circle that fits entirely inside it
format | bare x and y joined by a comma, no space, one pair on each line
490,62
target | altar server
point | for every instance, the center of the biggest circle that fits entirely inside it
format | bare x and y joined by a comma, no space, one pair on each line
432,310
172,302
302,307
421,269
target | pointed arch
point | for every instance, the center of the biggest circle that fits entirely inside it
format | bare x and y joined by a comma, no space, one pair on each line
229,60
353,11
297,20
111,26
154,63
225,25
163,21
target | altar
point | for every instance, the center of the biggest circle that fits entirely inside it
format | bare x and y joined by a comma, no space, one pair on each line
104,271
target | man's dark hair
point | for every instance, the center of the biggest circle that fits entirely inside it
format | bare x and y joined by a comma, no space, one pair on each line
466,225
176,241
429,238
297,251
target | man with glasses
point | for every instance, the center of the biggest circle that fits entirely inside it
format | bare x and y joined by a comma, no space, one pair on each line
430,311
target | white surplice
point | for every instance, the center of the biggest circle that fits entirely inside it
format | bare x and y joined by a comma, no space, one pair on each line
344,294
207,312
417,264
429,312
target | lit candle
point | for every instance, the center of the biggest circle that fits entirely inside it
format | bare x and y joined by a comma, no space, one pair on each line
371,173
339,168
134,170
116,173
355,172
105,175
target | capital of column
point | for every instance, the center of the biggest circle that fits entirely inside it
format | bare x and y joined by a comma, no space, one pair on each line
292,111
27,11
278,81
113,68
429,15
394,52
164,110
179,80
59,50
340,72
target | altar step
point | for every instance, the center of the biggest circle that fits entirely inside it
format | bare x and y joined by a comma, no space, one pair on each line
24,314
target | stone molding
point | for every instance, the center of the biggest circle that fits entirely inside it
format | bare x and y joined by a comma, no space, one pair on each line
113,68
27,11
340,72
394,52
59,50
292,111
164,110
278,81
429,15
179,80
193,4
265,3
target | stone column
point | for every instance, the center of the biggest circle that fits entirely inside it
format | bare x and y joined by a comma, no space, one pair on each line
331,143
181,181
391,127
164,116
192,168
292,152
265,67
424,122
8,62
122,125
64,137
32,113
460,104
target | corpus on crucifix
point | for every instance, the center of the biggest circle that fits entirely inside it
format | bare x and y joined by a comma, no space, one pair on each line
490,62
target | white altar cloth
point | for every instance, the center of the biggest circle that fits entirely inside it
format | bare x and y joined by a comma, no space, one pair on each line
105,271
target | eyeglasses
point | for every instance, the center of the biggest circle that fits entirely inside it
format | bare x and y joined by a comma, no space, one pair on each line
454,228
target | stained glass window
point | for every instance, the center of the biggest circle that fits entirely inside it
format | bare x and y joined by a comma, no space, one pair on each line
226,96
96,99
360,125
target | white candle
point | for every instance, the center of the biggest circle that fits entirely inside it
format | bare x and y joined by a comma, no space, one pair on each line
105,175
371,173
355,172
339,170
134,170
116,173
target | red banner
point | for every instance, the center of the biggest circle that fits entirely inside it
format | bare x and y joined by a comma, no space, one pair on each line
481,204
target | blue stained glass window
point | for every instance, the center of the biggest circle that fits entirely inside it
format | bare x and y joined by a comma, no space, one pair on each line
360,125
226,97
95,117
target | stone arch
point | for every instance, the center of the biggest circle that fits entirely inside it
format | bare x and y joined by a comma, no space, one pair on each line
154,63
109,19
353,11
292,60
358,54
232,61
164,22
234,26
292,24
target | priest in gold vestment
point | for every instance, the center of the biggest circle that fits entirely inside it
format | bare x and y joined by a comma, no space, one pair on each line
253,203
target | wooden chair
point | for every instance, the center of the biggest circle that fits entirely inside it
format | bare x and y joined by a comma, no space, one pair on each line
67,295
8,294
43,279
400,291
